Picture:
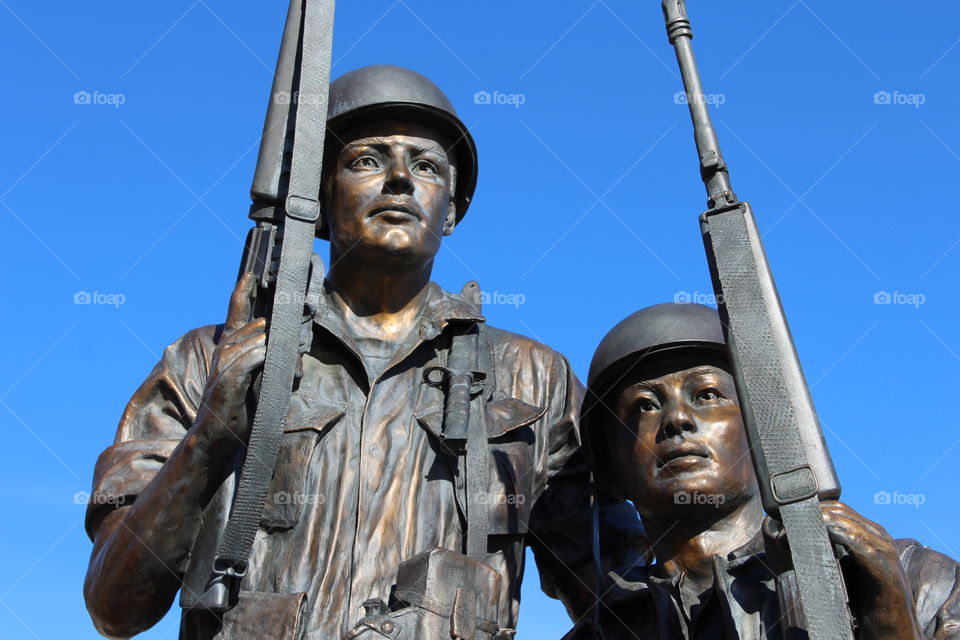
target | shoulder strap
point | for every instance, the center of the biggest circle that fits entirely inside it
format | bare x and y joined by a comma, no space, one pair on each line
301,209
478,463
464,380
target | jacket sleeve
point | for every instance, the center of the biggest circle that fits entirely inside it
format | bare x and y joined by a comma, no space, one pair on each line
561,522
153,423
935,581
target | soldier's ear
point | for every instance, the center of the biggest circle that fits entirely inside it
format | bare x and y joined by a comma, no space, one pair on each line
451,221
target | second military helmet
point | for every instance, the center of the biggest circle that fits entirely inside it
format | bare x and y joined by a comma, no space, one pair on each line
629,348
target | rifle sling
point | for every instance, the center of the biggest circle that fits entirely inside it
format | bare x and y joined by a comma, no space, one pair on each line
749,306
283,338
478,460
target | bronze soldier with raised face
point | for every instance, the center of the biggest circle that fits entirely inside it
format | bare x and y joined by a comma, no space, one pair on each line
663,424
365,479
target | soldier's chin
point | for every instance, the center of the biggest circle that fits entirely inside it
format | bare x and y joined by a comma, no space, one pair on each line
693,481
401,245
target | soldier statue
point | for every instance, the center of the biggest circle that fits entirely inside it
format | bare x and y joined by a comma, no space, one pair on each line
367,513
662,424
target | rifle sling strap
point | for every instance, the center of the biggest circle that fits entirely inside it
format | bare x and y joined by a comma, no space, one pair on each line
747,307
478,457
283,338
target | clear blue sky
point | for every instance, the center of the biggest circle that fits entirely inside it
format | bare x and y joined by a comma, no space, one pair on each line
586,210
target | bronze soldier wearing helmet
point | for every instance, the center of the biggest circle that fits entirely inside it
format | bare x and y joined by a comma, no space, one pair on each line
367,480
663,426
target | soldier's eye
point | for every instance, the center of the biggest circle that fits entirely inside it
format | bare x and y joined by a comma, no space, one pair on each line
708,394
423,166
646,404
365,162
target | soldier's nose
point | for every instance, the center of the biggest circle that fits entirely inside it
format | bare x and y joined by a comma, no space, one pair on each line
399,181
677,419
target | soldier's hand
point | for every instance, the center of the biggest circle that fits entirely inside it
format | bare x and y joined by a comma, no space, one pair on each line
222,421
880,594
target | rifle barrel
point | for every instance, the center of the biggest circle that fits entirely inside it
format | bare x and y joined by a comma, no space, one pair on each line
713,168
273,160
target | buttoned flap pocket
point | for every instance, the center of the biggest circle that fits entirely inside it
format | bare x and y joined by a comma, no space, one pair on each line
288,491
513,466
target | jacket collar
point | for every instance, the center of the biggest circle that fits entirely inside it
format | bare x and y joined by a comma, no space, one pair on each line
440,309
738,560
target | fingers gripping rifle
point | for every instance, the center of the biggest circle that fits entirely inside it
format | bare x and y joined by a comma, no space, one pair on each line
793,466
279,252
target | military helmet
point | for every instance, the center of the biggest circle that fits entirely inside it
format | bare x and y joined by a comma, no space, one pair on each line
398,92
630,347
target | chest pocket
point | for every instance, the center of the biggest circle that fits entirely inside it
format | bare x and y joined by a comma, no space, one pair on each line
513,466
288,491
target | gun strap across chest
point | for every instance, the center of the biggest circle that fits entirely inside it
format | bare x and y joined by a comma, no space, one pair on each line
301,210
478,459
774,408
468,374
465,378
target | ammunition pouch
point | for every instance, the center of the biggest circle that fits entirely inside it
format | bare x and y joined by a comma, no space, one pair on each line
439,594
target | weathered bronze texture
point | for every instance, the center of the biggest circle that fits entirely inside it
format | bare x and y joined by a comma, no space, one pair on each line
365,480
670,427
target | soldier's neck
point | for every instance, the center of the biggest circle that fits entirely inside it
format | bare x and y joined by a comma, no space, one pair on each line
687,546
379,302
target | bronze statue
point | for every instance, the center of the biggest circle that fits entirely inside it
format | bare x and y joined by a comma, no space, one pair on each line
663,426
370,503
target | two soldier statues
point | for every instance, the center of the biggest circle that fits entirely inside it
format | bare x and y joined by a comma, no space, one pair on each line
423,450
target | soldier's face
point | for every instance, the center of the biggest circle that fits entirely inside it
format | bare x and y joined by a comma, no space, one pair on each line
389,197
681,447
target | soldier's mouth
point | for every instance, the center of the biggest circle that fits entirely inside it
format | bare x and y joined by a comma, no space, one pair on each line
681,455
395,210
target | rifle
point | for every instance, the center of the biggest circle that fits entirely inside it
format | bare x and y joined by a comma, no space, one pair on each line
792,463
279,253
